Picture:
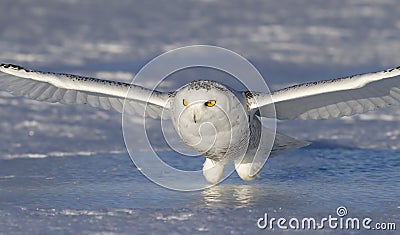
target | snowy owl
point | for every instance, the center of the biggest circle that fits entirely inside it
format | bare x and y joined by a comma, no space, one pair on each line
218,122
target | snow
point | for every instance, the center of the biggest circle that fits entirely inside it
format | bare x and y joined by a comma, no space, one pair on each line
289,42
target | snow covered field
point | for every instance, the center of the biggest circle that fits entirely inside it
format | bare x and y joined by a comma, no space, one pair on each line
289,42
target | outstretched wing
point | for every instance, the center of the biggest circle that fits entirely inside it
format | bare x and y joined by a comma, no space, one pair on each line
72,89
332,98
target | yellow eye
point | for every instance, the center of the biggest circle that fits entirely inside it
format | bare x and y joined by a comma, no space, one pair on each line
210,103
185,103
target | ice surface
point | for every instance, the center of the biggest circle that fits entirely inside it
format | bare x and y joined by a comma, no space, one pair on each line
107,194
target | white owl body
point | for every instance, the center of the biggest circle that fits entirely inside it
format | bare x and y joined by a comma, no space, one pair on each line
218,132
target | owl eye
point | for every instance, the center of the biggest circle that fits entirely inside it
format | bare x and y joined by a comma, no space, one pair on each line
185,103
210,103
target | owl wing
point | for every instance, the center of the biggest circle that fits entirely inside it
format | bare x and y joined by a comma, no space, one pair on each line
73,89
332,98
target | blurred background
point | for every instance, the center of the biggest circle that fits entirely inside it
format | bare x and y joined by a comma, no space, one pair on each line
288,41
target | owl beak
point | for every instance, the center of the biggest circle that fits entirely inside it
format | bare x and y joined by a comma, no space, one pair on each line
194,118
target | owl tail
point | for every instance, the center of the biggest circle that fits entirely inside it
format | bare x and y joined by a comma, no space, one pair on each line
284,142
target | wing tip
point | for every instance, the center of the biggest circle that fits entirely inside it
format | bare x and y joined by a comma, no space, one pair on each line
392,69
14,67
